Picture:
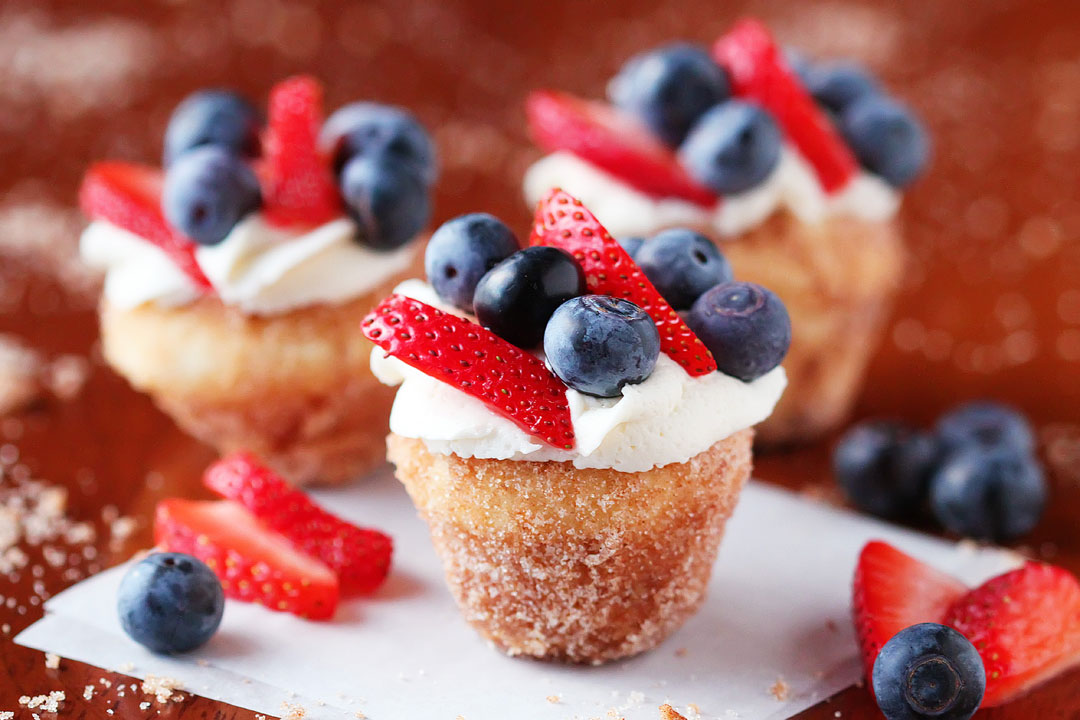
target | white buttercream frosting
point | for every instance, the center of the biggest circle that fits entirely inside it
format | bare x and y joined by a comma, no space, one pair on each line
259,268
792,185
669,418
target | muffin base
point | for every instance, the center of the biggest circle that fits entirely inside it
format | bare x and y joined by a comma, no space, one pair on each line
295,389
580,565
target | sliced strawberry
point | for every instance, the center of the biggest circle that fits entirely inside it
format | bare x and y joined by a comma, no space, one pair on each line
359,556
476,361
254,564
892,591
758,71
129,196
563,222
612,141
298,187
1025,625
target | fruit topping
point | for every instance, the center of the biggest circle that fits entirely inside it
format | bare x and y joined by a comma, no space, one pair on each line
207,191
990,494
253,563
886,138
476,361
1025,625
129,196
732,148
563,222
359,556
892,591
758,72
462,251
837,85
516,298
682,264
928,671
386,198
597,344
170,602
884,467
213,117
987,424
745,326
372,130
298,186
614,142
669,88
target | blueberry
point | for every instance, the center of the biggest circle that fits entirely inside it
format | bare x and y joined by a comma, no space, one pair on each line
597,344
387,200
170,602
462,250
745,327
837,85
213,117
631,244
886,138
207,191
669,88
884,467
732,148
928,671
798,63
516,298
989,494
682,265
370,130
985,423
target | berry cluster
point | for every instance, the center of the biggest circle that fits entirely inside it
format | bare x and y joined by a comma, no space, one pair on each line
977,471
372,162
687,123
932,647
601,318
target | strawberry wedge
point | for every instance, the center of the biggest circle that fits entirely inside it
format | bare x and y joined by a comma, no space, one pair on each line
129,196
359,556
758,72
476,361
613,142
562,221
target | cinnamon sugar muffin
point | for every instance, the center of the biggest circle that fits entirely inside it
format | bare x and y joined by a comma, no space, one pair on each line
793,169
236,281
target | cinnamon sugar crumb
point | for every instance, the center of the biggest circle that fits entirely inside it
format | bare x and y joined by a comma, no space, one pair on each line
360,716
694,709
668,713
52,661
163,689
779,689
46,703
7,715
554,699
88,692
293,712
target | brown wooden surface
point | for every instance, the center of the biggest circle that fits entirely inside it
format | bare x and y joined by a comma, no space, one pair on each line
991,306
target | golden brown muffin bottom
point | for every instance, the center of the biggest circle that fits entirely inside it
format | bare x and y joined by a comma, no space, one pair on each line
550,561
295,388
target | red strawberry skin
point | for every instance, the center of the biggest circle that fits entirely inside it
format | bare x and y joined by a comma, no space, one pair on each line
359,556
473,359
1025,625
129,196
892,591
253,563
758,71
563,222
298,187
614,142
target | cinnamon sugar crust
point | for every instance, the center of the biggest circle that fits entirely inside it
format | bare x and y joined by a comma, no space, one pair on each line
294,388
590,565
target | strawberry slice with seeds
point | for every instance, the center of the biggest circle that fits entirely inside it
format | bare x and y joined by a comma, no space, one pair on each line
614,142
892,591
1025,625
253,563
758,71
476,361
563,222
298,187
129,196
359,556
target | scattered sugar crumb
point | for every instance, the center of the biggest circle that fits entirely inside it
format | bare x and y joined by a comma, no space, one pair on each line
694,709
88,692
779,689
6,715
163,689
668,713
202,662
52,661
838,714
127,667
293,712
359,715
144,705
554,699
259,716
46,703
